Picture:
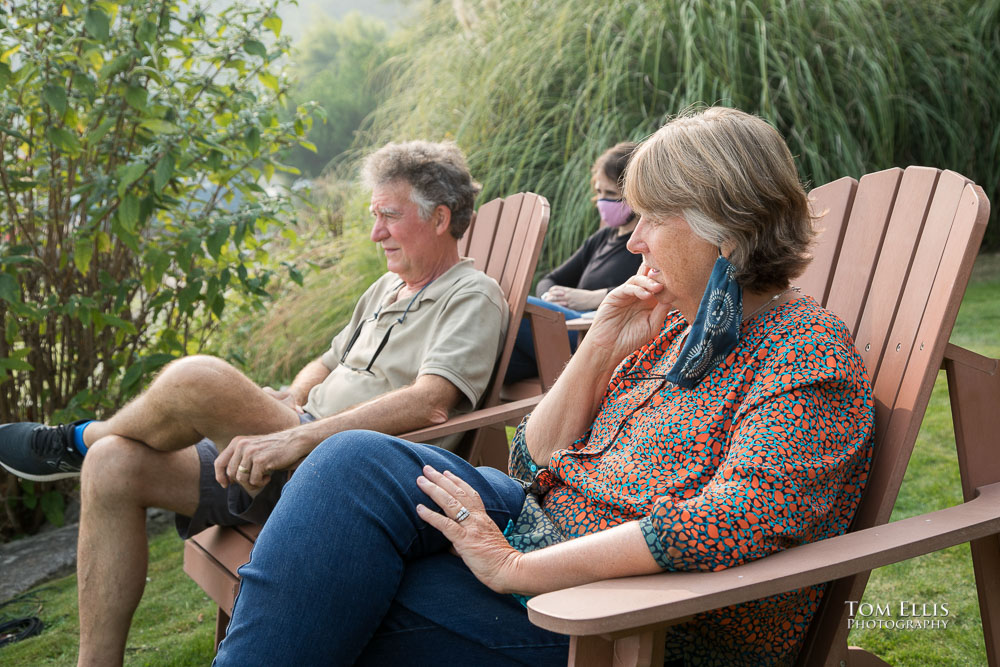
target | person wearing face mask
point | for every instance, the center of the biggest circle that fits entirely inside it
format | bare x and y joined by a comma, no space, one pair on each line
602,263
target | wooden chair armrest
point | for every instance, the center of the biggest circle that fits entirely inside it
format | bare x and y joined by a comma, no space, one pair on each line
551,341
473,420
957,354
579,324
628,605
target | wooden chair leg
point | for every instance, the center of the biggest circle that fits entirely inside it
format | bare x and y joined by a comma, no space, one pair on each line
490,448
641,650
221,625
974,388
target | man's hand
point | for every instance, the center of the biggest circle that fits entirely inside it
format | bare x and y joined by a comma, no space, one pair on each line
249,460
285,397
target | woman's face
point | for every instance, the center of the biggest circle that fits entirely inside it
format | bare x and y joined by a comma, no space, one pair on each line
605,188
676,258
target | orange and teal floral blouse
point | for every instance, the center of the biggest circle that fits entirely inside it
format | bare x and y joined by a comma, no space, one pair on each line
771,450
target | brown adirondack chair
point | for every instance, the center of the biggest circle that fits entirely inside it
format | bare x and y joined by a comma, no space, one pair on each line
893,262
504,240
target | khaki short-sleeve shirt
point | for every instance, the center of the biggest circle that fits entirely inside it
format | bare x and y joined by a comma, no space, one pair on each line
455,328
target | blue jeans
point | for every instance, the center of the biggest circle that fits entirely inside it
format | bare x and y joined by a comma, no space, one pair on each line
523,364
344,571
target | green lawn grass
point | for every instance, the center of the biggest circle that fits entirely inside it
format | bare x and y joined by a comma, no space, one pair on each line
174,625
175,621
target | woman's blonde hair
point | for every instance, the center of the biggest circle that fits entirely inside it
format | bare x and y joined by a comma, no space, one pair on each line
731,176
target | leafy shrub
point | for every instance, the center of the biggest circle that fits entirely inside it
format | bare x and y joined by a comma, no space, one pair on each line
134,139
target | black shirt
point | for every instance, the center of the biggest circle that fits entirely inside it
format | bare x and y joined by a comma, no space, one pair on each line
601,262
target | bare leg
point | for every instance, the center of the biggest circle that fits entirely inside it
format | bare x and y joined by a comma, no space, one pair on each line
192,398
120,479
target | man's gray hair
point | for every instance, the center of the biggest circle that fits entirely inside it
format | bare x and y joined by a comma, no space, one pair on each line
437,174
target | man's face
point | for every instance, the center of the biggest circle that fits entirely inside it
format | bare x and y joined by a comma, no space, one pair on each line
412,246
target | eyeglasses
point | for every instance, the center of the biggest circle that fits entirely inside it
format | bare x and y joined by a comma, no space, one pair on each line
385,337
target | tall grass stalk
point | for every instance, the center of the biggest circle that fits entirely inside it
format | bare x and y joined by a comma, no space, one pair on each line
534,90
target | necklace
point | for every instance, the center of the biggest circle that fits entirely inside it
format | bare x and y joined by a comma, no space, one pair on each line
769,302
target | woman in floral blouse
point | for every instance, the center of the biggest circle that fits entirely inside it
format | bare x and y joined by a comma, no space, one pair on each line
712,415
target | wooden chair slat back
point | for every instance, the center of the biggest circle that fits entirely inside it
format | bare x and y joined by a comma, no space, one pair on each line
477,242
530,220
861,245
946,216
901,334
510,217
830,205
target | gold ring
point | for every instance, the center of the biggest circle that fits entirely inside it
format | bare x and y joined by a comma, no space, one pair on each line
241,469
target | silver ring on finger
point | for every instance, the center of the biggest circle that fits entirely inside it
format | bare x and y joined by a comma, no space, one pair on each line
462,515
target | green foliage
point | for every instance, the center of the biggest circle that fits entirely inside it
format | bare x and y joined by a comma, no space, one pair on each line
342,263
134,141
334,65
535,91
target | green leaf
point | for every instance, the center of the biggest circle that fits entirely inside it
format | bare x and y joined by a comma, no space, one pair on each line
29,498
215,240
9,290
269,80
132,376
146,32
14,133
308,145
128,175
164,170
252,138
83,251
101,130
117,65
5,75
55,97
160,126
64,140
255,48
98,24
128,212
117,322
136,97
19,259
273,23
15,365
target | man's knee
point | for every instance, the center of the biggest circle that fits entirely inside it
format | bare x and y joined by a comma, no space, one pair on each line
119,468
110,464
196,377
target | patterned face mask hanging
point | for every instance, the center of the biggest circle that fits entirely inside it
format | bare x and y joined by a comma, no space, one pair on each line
716,328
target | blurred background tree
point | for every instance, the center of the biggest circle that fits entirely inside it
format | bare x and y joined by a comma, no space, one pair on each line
335,64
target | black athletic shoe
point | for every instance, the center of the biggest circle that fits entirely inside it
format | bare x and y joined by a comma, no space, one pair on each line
38,452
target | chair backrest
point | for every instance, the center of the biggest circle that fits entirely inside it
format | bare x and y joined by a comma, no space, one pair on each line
893,260
505,241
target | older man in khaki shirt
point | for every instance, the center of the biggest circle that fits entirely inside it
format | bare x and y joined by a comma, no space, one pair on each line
421,345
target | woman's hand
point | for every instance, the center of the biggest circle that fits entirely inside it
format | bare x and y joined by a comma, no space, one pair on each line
630,315
577,299
475,538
